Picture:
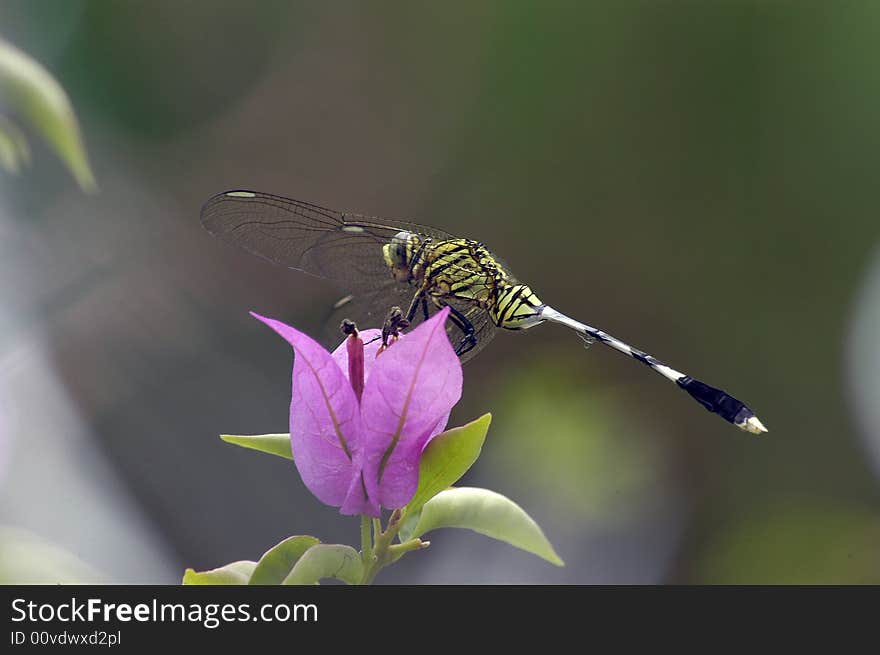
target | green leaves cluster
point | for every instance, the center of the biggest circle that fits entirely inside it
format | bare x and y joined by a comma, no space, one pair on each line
296,560
436,504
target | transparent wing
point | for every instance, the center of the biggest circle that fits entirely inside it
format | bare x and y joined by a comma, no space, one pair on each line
339,246
369,309
484,329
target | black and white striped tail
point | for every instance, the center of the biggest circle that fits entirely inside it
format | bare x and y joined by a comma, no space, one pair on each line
714,400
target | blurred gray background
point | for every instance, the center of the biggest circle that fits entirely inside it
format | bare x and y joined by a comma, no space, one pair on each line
699,179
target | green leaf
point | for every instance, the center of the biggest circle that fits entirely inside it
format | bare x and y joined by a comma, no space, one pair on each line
9,159
327,561
486,512
274,444
447,458
278,561
232,574
31,92
14,150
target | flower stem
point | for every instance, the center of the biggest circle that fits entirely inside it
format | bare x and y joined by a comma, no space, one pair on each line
384,553
366,540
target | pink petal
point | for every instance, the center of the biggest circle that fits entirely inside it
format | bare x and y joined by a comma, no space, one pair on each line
406,402
357,501
325,423
437,429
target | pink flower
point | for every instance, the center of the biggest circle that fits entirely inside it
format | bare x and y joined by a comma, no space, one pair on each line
362,454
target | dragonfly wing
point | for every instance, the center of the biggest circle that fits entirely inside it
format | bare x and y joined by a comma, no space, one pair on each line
339,246
484,329
369,310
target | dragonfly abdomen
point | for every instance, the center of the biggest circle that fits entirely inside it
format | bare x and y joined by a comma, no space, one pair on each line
715,400
516,307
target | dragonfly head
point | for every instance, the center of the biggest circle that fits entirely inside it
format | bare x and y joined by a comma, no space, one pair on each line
399,253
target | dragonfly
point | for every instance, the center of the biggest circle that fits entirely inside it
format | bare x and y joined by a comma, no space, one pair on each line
385,263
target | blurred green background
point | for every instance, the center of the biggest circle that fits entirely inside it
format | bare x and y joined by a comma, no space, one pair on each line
697,178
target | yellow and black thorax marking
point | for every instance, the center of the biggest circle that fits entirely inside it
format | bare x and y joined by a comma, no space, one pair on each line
462,270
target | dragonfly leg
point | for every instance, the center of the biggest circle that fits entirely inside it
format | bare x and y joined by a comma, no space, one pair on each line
418,299
463,324
394,322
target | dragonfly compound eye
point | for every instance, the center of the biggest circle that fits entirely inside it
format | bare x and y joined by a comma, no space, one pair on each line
397,255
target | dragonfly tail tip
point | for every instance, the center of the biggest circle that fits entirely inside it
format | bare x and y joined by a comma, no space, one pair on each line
752,425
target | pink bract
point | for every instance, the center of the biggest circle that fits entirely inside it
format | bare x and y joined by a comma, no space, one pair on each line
363,456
